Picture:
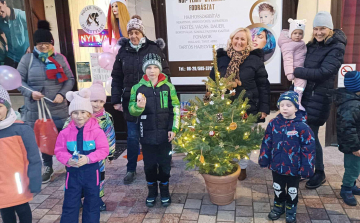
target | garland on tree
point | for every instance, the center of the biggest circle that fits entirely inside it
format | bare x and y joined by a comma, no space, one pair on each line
216,132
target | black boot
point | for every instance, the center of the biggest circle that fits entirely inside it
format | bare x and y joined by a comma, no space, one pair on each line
277,211
165,194
291,213
317,180
102,205
153,193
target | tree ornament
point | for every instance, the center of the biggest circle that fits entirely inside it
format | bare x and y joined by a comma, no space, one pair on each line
221,144
202,159
220,117
222,97
233,126
232,92
211,102
246,136
206,98
211,133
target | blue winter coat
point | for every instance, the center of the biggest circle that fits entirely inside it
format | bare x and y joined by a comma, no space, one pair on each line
288,147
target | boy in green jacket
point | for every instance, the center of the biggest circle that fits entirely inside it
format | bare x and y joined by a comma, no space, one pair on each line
155,102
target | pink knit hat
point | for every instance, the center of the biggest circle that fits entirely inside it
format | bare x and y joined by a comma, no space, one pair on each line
79,100
97,91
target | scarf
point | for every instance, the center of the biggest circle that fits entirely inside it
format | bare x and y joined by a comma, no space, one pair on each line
137,47
9,120
237,58
53,69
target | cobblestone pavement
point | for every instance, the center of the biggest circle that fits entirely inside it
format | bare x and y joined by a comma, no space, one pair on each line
254,197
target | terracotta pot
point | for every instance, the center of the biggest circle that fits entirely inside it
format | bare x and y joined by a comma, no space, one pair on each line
222,188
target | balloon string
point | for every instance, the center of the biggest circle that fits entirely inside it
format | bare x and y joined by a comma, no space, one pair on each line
33,91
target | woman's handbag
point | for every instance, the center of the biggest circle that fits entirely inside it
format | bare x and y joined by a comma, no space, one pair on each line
45,130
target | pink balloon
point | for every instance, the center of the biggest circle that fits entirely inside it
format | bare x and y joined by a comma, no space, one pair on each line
108,85
106,61
107,47
10,78
116,49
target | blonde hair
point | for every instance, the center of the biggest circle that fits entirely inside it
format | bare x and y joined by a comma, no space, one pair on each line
248,37
331,33
124,18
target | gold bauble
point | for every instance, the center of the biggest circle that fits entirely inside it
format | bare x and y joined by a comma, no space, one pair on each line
233,126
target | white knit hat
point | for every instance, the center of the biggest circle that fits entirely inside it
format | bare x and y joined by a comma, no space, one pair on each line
323,18
136,23
296,24
97,91
79,100
121,1
5,98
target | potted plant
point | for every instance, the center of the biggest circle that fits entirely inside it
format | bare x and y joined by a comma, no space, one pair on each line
215,133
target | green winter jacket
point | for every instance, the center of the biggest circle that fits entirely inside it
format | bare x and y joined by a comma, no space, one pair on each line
161,113
347,120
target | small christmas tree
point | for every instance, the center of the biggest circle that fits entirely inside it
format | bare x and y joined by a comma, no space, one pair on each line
217,131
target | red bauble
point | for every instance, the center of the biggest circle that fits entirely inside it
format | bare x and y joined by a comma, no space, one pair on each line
211,133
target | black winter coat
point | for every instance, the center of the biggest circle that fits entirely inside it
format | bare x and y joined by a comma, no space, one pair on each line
322,63
127,71
347,120
254,80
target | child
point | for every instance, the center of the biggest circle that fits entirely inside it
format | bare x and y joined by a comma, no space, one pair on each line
80,147
266,14
98,99
288,149
294,51
20,164
348,134
154,99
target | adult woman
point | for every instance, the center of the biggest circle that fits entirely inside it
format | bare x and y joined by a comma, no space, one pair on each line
247,63
118,18
49,75
263,39
325,53
126,73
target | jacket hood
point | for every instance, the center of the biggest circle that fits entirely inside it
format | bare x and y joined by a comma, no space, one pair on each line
342,96
159,42
256,52
300,116
162,79
89,126
284,39
338,37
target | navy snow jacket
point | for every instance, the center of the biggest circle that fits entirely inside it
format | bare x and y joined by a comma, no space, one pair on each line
288,147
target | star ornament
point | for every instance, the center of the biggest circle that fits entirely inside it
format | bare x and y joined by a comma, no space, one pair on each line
232,91
211,102
221,144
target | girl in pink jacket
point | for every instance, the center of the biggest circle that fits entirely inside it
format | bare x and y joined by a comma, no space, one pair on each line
80,146
294,50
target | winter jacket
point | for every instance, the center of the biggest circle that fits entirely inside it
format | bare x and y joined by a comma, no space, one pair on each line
106,123
254,80
293,53
347,120
94,143
288,147
34,77
322,63
20,164
128,71
161,113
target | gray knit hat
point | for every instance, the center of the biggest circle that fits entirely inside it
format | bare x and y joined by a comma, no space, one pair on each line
5,98
152,59
323,18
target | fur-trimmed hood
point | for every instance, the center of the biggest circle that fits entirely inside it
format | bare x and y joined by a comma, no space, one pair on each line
159,42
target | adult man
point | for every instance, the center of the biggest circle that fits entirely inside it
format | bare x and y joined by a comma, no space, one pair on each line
13,24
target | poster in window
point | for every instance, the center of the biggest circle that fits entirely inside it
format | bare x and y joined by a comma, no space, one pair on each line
14,37
83,71
193,27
